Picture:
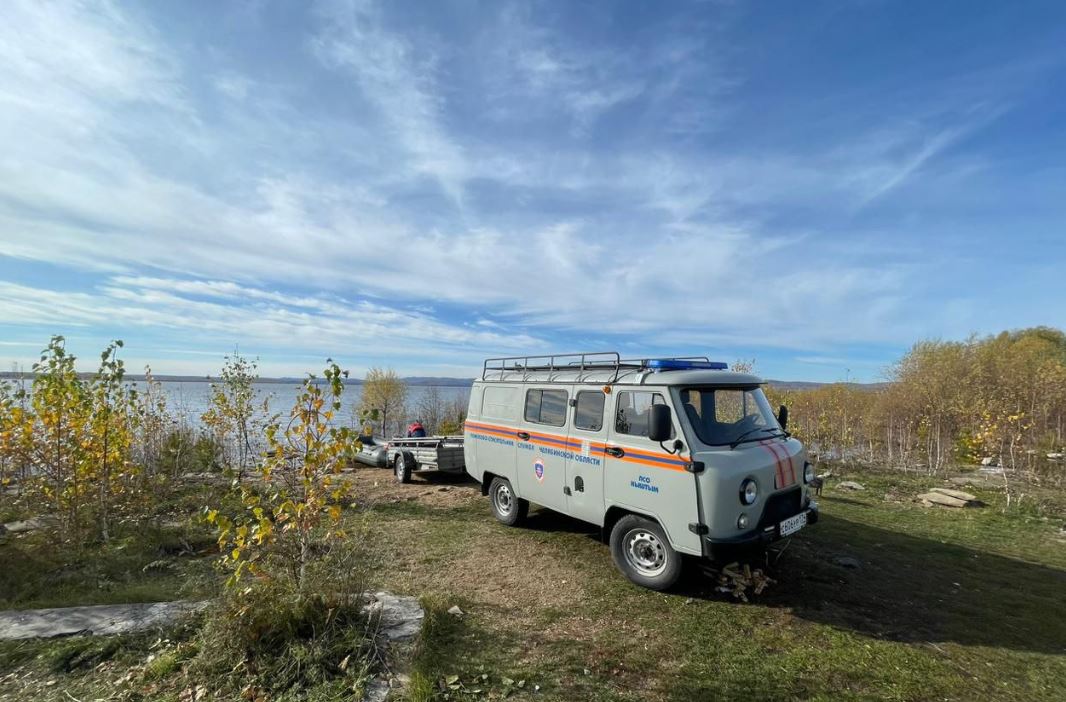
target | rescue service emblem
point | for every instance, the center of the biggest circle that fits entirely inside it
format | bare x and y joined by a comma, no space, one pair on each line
538,468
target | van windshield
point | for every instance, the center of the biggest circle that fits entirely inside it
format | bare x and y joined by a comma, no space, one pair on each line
727,415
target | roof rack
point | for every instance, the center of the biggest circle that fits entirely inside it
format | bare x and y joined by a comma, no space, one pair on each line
587,361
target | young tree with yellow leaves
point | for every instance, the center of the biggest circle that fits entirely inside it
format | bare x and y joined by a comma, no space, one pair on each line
108,450
301,493
62,409
385,393
233,411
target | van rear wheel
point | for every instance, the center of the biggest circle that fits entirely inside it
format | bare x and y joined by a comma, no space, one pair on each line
643,553
506,506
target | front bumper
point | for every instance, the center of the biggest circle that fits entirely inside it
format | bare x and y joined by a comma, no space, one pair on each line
731,548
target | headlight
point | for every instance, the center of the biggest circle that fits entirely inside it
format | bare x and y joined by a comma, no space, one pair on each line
808,472
742,521
749,491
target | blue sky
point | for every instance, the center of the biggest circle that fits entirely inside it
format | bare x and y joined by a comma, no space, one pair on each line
813,185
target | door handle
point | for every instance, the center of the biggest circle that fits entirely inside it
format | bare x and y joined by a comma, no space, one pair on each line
615,451
523,435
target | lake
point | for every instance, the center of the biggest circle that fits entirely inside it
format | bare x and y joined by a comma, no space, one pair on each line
188,400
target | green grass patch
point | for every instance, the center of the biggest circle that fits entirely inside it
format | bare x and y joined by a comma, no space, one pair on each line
147,565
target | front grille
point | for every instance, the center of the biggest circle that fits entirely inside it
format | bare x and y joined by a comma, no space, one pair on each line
781,506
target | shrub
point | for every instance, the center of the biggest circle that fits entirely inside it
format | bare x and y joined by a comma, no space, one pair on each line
188,451
292,640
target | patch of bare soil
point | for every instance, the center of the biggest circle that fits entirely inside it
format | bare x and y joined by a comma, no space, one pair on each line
533,590
517,575
379,486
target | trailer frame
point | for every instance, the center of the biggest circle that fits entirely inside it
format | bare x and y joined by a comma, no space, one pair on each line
409,455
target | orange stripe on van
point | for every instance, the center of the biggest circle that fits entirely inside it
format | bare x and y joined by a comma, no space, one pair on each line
779,471
785,478
654,464
632,455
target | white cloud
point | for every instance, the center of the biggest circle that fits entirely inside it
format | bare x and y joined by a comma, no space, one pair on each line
228,313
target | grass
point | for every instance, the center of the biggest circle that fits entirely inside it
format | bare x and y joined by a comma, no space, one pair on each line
170,557
153,565
946,605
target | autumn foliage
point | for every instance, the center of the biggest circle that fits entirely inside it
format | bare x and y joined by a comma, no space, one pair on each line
1000,398
295,498
68,442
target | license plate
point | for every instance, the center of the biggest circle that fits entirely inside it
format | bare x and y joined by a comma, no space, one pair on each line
793,524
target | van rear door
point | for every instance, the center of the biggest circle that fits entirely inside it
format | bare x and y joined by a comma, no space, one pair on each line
492,433
640,476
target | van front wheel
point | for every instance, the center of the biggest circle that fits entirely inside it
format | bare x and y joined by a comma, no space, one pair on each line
643,553
508,507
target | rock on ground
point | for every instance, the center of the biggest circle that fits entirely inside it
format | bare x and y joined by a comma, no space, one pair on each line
942,500
957,494
400,616
849,485
849,562
98,619
31,524
399,620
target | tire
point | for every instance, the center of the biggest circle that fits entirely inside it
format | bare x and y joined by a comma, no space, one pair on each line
642,552
507,507
402,465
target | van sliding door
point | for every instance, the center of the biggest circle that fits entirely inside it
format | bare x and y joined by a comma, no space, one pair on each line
540,450
584,464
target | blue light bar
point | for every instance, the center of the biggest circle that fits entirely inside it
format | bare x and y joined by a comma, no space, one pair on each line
661,364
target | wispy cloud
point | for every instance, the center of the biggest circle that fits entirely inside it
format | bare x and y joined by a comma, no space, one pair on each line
398,81
226,314
895,155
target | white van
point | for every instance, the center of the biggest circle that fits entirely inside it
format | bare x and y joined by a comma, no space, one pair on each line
669,456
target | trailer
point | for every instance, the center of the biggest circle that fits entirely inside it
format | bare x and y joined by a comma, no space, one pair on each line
426,454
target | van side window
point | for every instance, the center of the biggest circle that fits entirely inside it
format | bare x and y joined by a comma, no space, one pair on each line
546,407
633,408
499,403
589,412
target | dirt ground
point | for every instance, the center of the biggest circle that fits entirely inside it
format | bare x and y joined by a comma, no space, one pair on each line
519,593
376,486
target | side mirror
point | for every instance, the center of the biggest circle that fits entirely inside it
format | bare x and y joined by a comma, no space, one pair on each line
782,417
659,424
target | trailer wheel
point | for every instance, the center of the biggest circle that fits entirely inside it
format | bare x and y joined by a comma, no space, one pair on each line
643,553
508,507
402,466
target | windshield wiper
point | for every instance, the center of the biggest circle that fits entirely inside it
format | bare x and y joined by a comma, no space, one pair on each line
749,432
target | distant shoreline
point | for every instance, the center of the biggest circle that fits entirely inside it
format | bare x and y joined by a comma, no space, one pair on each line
140,377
